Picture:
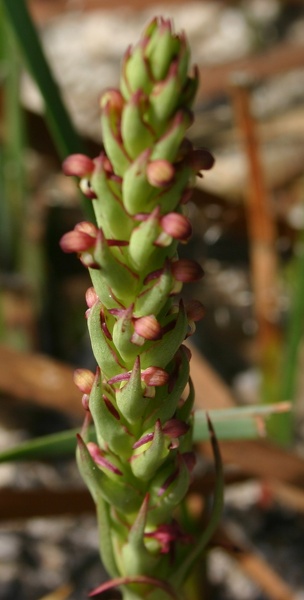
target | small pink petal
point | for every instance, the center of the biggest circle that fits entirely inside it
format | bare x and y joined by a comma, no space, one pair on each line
143,440
100,460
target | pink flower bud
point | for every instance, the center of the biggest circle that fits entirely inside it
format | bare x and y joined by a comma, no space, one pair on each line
84,380
75,241
160,173
195,310
174,428
78,165
176,225
201,159
186,270
155,376
148,327
91,297
82,238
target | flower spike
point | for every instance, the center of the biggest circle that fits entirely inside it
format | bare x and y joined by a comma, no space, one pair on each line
138,468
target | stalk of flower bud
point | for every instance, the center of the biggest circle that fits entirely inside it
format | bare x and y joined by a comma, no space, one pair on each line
139,470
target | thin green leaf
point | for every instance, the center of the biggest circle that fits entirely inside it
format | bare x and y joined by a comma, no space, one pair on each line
62,129
241,422
56,444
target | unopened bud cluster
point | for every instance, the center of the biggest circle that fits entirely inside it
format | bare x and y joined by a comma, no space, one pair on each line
139,468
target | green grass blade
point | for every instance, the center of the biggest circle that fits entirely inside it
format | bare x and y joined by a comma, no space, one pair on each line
242,422
67,140
13,188
48,446
293,339
61,127
231,423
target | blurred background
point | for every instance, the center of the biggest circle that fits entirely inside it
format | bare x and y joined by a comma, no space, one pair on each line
248,221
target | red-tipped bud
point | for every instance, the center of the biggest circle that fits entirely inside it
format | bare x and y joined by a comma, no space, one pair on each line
155,376
177,226
91,297
186,270
84,380
82,238
148,327
160,173
201,159
195,310
78,165
174,428
100,460
113,99
75,241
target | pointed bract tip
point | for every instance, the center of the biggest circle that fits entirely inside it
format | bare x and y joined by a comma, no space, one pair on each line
112,98
100,459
